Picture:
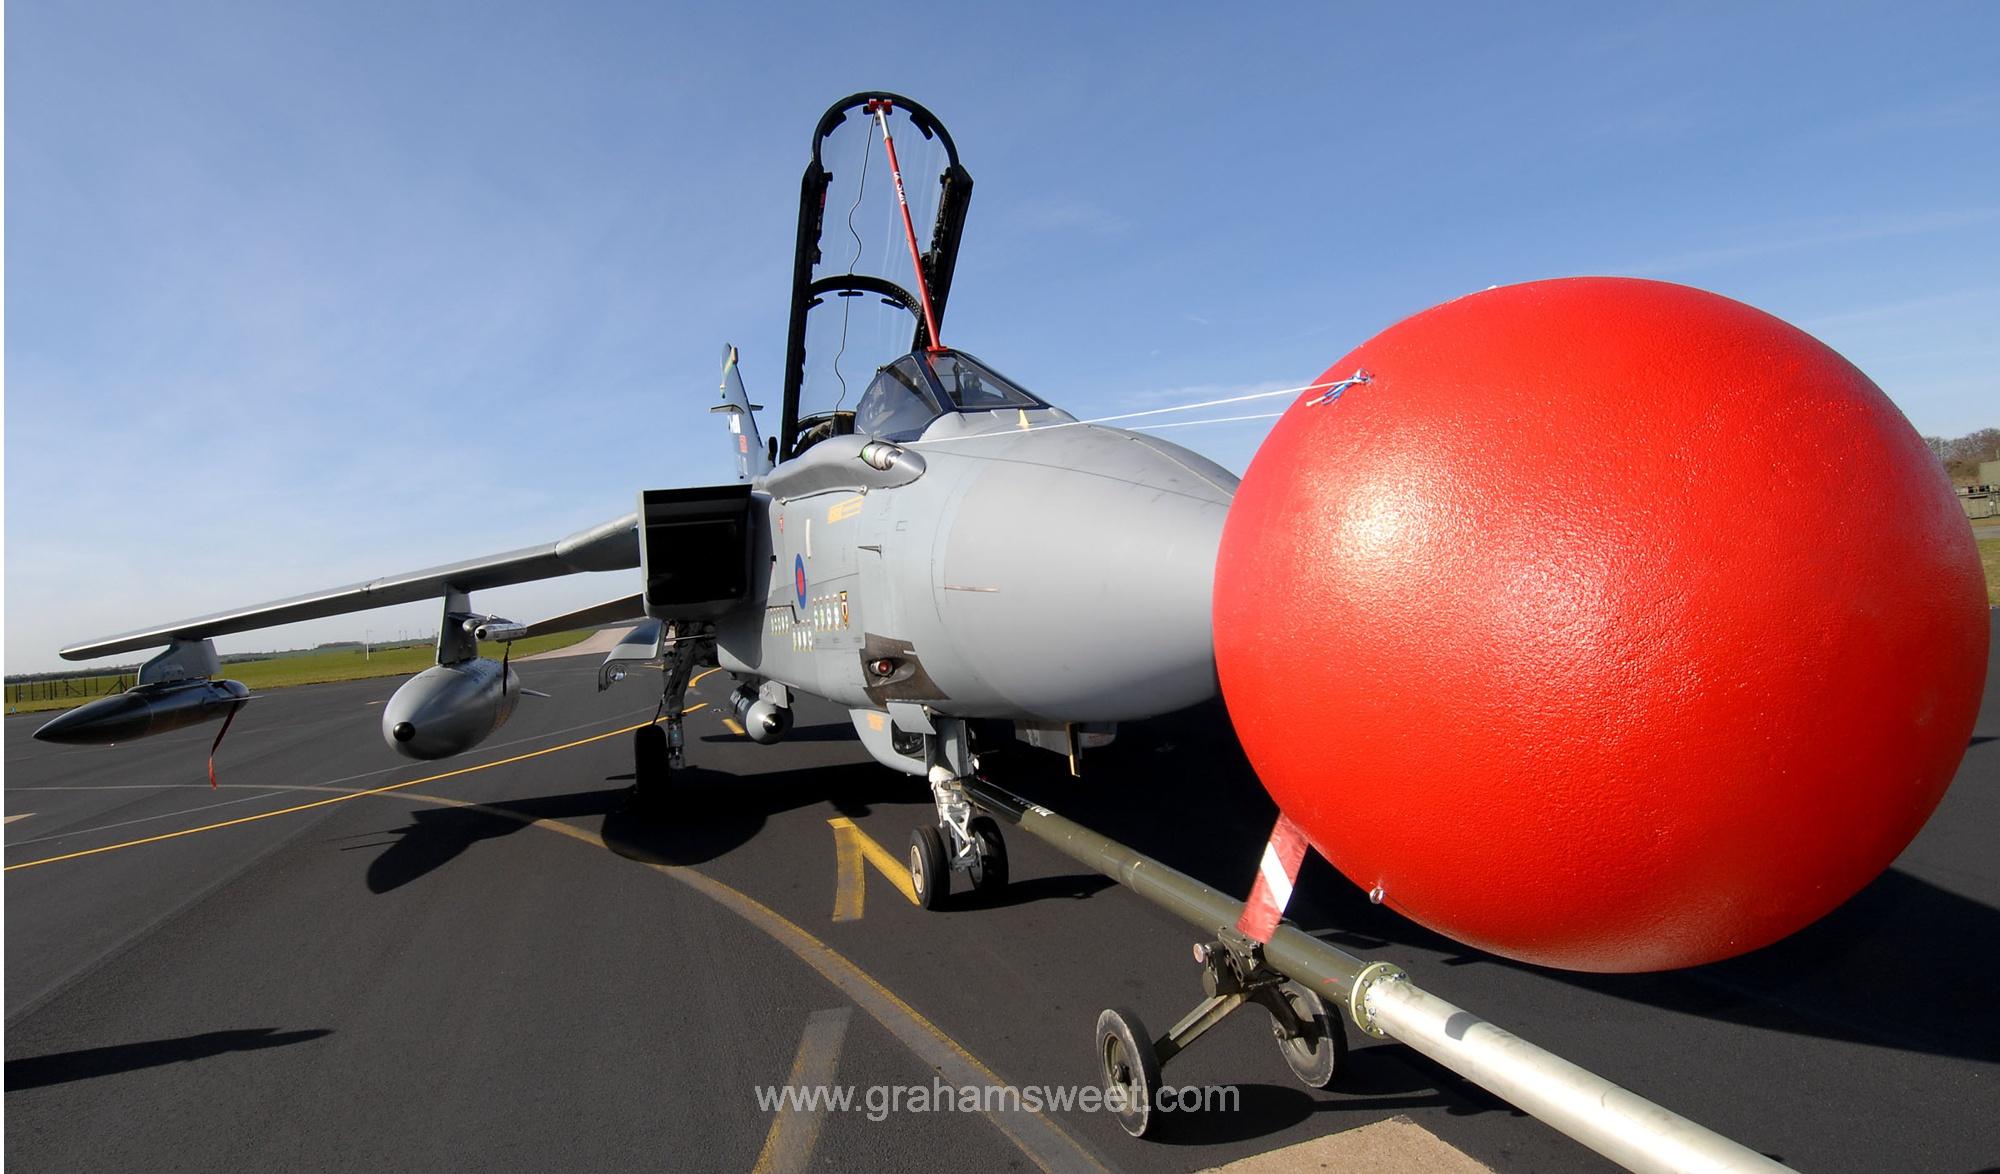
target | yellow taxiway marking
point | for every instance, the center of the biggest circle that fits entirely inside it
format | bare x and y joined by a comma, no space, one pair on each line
851,847
23,815
735,727
229,823
1041,1139
788,1147
697,681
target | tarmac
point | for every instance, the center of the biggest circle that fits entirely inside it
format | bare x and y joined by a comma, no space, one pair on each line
340,960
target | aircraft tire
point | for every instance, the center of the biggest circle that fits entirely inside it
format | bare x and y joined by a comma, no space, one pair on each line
650,766
989,870
930,876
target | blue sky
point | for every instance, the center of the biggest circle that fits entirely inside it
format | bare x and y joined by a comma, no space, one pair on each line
299,295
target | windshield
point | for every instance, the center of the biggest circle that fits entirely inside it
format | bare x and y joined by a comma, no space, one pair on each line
974,387
897,404
908,394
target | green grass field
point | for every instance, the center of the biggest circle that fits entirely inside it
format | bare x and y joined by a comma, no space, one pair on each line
313,668
348,664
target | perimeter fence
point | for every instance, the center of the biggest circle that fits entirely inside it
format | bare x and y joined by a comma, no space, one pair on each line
65,689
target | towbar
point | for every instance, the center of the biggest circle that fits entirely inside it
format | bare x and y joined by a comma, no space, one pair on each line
1616,1122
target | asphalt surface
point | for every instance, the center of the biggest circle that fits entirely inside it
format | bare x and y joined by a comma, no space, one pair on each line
550,979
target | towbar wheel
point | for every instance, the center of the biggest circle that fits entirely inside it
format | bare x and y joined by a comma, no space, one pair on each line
1313,1043
1131,1070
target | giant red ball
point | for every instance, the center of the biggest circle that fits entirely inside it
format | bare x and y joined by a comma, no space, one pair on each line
1609,624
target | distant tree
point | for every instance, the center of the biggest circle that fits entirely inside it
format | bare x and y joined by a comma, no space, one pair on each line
1962,456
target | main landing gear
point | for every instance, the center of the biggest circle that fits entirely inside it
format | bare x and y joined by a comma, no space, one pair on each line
1233,972
961,841
659,749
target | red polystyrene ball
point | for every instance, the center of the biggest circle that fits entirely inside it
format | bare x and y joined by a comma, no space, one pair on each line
1612,625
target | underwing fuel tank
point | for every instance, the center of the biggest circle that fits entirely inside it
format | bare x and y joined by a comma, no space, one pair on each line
450,708
143,710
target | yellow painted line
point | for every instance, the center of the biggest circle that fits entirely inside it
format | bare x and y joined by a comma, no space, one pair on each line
1041,1139
852,846
788,1147
699,676
735,727
23,815
342,798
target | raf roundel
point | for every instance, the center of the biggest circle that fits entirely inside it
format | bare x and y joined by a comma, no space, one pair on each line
1638,627
799,578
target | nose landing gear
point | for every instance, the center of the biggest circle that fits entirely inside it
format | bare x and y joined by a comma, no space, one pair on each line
962,841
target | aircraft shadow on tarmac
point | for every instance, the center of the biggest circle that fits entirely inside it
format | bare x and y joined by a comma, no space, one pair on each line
707,815
1824,981
88,1063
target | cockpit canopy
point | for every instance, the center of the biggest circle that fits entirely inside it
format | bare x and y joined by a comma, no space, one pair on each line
916,389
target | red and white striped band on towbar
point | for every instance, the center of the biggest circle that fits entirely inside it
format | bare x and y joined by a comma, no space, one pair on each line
1276,874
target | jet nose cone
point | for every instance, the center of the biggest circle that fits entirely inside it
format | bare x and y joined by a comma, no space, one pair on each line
117,718
1077,574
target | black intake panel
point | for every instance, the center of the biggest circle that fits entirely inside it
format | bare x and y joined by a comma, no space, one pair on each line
694,550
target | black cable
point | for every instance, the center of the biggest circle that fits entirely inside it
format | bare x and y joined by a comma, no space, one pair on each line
847,303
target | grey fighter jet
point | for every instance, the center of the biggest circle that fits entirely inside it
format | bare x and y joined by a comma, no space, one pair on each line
952,553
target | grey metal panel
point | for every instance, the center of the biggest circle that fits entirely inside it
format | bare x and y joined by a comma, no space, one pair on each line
610,546
879,739
611,611
607,546
835,464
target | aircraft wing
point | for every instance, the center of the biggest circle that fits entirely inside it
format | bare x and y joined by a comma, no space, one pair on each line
612,546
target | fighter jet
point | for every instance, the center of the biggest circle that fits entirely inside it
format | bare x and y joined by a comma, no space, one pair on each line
952,553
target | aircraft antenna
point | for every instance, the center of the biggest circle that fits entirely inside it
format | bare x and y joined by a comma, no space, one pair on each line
880,108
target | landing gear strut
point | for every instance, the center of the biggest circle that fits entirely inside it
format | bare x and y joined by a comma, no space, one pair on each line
961,841
659,749
1233,972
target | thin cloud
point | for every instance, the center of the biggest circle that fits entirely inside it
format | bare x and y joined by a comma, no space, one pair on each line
1069,215
1916,224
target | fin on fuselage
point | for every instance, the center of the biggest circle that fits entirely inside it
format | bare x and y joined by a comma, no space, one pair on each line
753,459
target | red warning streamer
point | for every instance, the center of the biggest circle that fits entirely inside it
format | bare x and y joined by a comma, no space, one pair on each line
215,745
1277,872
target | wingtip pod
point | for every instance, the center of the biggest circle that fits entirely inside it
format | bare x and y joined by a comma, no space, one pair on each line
1599,684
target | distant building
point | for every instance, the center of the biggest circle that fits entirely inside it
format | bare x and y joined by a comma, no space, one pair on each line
1982,500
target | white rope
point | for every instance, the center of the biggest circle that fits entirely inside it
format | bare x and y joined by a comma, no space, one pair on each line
1212,420
1211,403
